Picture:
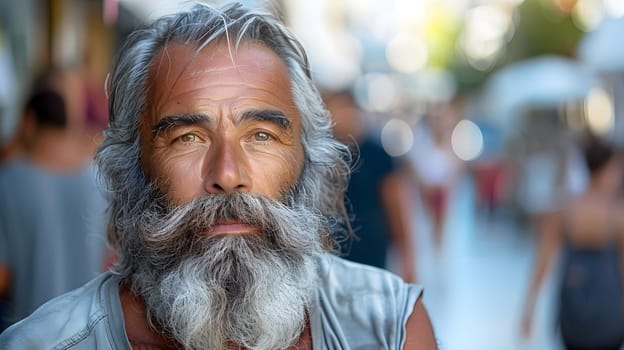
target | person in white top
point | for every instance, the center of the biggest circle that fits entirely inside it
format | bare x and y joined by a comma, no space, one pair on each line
435,166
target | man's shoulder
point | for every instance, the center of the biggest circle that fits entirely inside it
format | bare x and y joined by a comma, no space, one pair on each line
367,307
63,321
345,279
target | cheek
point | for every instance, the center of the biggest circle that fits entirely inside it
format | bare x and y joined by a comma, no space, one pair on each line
293,165
179,176
276,173
296,166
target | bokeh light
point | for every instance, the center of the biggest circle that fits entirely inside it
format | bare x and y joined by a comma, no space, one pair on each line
467,140
407,53
377,92
587,14
397,137
614,8
599,112
484,34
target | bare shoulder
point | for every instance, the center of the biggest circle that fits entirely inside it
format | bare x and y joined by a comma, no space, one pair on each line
420,334
618,211
5,280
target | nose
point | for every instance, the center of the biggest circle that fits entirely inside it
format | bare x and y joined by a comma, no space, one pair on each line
227,170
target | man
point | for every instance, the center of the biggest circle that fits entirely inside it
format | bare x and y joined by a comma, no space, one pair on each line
225,182
52,224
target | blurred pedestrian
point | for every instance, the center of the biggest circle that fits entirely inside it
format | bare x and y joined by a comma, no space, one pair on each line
589,231
52,216
435,167
544,147
378,194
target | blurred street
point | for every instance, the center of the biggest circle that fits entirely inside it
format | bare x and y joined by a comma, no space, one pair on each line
475,288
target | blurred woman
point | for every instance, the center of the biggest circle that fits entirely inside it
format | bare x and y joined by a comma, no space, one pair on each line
589,232
435,168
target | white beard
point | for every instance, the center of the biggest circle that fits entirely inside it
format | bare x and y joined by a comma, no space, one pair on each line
231,294
250,290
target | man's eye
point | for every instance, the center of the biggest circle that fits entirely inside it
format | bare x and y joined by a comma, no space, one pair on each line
188,138
262,136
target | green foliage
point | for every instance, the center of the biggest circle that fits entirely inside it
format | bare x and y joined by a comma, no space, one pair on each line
540,29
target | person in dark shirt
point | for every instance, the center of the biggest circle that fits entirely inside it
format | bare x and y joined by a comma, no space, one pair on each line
377,196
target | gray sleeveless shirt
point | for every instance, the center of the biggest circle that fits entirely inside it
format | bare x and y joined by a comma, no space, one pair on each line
355,307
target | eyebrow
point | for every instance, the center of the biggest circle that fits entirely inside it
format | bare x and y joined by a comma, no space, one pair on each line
172,121
274,116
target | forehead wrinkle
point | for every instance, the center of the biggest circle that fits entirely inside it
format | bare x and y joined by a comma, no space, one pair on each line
165,54
246,43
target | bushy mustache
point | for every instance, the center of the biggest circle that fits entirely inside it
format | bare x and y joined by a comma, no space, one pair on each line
176,232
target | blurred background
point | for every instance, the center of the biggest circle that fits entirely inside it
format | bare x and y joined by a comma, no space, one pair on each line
482,104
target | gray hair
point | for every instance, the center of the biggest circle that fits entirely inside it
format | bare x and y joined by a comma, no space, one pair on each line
326,168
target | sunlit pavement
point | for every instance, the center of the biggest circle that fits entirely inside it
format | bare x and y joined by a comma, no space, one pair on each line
475,285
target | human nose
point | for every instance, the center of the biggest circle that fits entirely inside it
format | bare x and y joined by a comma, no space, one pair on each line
227,170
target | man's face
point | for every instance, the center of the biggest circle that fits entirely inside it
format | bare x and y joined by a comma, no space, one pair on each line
232,245
221,123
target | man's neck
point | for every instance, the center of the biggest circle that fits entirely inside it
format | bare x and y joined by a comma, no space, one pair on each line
142,337
140,334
